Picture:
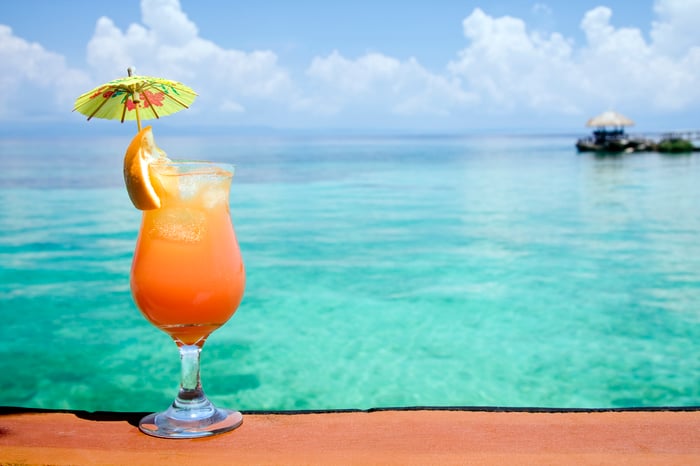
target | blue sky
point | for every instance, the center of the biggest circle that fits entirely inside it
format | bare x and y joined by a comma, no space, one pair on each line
442,66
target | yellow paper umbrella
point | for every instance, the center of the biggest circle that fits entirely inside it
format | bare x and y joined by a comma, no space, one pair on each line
135,98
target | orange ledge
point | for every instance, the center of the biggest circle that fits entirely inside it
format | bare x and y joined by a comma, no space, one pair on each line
382,437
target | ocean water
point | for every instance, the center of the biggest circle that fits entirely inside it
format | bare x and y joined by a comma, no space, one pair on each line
382,272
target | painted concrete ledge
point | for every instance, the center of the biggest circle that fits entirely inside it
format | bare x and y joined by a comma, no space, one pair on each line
384,437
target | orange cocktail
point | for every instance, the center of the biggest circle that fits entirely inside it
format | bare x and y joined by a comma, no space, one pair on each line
187,275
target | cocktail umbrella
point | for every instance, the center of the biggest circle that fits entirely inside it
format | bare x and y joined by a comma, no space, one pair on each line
135,98
610,118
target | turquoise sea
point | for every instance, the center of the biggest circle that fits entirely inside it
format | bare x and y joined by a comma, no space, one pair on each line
382,272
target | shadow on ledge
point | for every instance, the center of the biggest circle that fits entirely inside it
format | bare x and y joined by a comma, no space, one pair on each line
132,418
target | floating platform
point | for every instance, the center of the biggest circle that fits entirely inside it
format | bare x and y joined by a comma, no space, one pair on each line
617,141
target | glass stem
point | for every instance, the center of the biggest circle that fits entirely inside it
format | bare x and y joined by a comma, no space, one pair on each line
191,394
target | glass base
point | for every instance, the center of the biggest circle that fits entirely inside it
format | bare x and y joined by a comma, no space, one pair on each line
188,423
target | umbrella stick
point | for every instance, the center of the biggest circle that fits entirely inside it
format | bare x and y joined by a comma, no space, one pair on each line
138,118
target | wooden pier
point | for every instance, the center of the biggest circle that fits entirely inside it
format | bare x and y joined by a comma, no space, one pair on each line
686,135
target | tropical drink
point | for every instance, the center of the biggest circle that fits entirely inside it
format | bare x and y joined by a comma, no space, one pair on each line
187,276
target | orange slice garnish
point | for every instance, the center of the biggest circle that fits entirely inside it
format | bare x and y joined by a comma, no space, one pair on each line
141,186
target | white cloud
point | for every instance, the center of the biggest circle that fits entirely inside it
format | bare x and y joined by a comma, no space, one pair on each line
675,31
168,44
379,83
168,22
514,70
635,72
511,69
34,80
353,76
507,68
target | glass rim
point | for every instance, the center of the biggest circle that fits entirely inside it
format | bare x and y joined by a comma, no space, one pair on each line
194,167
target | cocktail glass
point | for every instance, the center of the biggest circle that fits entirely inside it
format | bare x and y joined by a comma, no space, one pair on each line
187,278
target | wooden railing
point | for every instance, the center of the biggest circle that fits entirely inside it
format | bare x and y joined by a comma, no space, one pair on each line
688,135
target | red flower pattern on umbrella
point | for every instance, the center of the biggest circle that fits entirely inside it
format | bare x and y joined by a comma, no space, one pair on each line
152,98
130,105
148,99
